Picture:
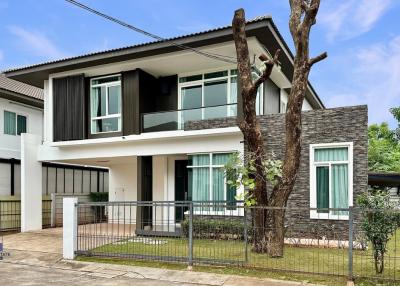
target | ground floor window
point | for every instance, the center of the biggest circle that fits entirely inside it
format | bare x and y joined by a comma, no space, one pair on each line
207,180
331,180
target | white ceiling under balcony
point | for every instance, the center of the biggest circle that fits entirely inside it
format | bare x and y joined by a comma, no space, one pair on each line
184,62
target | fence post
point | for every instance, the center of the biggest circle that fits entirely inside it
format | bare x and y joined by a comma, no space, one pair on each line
351,230
246,258
53,210
190,262
70,227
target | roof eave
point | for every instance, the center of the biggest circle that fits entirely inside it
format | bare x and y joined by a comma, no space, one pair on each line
28,74
21,98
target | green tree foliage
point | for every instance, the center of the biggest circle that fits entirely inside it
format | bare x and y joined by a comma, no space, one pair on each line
380,221
241,171
383,149
396,114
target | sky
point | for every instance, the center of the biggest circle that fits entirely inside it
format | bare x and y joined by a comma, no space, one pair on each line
362,38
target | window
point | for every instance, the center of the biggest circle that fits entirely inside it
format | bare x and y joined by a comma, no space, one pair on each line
207,178
105,102
209,95
212,95
331,180
14,124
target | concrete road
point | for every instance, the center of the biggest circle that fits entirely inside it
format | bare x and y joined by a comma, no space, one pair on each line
16,274
36,260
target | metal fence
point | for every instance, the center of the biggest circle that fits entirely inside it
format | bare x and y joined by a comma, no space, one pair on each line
326,242
10,215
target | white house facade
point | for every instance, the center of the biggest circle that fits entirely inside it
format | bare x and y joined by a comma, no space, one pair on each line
138,111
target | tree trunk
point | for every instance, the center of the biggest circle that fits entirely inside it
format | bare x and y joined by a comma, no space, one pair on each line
250,126
276,232
269,222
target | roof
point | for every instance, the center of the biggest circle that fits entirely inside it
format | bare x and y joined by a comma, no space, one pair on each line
257,19
21,88
262,27
384,179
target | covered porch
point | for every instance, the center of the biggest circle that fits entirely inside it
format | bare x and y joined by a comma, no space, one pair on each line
175,166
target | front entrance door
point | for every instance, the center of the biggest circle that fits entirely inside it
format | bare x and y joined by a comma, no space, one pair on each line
181,187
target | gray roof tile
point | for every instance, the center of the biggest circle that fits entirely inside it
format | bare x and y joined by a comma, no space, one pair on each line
19,87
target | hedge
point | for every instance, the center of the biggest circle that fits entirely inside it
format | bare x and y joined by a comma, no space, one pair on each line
222,229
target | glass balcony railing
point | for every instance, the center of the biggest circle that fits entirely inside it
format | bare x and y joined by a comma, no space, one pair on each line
176,119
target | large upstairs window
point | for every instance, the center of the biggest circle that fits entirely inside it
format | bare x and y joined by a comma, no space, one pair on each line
209,95
212,95
105,104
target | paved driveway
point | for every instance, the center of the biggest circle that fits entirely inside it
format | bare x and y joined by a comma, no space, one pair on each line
36,259
46,240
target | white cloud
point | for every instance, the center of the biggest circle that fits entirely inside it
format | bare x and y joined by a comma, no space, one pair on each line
351,18
373,79
37,43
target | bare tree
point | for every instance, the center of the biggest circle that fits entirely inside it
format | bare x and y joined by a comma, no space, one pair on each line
270,224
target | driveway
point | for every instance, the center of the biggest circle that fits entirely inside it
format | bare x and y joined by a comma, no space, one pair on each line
36,259
46,240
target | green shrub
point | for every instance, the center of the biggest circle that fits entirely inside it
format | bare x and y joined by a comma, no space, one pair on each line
99,197
380,221
214,228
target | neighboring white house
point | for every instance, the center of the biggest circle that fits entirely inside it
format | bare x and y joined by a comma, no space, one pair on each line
21,111
163,119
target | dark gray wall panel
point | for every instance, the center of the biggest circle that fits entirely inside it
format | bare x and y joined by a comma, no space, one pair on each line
272,95
68,108
130,103
167,98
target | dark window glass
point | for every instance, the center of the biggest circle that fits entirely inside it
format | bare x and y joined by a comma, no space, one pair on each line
215,74
21,124
323,188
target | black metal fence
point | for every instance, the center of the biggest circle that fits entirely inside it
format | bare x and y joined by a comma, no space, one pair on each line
326,242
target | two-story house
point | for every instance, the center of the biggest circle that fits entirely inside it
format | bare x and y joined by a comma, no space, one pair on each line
163,119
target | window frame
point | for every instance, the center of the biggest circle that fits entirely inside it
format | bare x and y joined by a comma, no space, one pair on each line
314,214
107,116
238,211
16,121
203,81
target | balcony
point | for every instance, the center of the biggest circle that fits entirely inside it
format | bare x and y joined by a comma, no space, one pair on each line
176,119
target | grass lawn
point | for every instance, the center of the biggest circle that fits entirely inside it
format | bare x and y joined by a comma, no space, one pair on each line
300,261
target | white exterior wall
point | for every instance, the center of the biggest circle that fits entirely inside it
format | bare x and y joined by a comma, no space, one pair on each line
5,183
31,183
306,105
160,193
10,145
148,144
285,96
123,187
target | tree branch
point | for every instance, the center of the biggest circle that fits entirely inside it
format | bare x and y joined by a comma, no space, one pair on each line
317,59
269,65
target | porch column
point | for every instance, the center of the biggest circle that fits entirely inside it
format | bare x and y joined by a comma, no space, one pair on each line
31,183
160,191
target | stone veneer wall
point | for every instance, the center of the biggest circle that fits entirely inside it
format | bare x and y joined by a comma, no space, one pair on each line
344,124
